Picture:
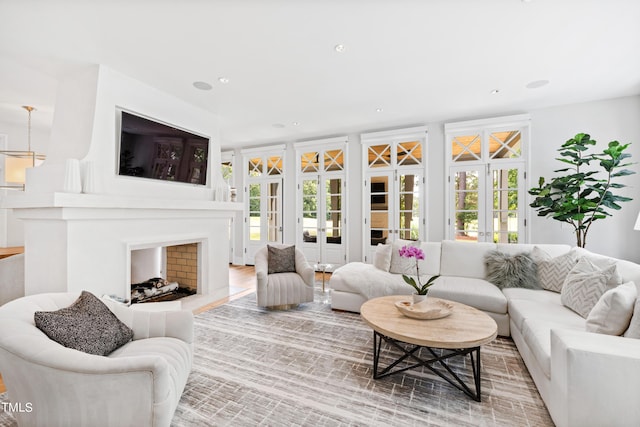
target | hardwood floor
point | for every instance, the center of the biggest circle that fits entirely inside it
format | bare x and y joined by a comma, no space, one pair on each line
240,276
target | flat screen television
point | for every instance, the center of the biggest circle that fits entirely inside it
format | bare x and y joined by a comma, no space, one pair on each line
154,150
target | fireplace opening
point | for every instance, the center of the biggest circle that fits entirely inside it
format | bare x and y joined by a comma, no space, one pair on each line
164,273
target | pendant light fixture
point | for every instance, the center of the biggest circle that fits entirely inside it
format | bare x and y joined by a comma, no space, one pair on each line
16,163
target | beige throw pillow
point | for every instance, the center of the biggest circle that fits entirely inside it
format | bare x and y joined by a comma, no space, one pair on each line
613,311
634,325
584,285
553,271
382,257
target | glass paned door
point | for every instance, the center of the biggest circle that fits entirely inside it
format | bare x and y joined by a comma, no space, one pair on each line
468,219
322,219
333,251
380,219
507,188
255,212
274,211
320,208
487,207
486,189
394,208
408,221
310,211
265,215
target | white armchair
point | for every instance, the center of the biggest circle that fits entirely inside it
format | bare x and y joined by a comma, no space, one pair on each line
138,384
282,290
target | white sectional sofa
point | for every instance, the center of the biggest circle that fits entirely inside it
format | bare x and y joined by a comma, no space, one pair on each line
584,378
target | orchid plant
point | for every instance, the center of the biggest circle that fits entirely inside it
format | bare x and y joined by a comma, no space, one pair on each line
409,251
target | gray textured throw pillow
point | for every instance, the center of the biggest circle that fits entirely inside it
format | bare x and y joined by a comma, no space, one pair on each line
511,271
281,260
86,325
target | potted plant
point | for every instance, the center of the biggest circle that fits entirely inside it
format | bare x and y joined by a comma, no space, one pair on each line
409,251
580,197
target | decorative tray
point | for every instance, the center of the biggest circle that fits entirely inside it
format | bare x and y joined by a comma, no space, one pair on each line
425,310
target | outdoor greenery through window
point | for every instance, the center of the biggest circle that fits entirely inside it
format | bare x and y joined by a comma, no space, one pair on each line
486,181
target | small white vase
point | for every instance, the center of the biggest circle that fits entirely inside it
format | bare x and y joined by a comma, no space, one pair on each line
417,299
72,180
88,178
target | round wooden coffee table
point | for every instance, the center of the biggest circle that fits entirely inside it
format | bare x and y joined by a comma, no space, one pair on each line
459,334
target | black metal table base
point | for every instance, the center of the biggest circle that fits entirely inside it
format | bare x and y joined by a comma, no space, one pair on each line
437,364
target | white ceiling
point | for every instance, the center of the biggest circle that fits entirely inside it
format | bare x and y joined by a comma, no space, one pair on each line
420,61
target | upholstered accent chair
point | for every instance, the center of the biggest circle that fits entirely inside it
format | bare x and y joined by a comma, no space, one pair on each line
283,289
138,384
11,278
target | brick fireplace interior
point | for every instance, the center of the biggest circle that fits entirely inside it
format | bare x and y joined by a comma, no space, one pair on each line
182,265
164,273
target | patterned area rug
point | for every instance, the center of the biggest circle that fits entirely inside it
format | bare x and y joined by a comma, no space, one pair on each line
312,366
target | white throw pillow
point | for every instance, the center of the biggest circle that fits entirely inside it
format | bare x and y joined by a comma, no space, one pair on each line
553,271
400,265
613,311
382,257
584,285
634,325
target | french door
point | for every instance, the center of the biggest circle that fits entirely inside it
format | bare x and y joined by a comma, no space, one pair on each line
322,219
486,203
265,215
264,176
486,193
394,207
321,192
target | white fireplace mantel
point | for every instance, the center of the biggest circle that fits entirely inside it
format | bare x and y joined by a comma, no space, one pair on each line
83,241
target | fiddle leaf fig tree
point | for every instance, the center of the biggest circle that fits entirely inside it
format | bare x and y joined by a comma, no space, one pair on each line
584,191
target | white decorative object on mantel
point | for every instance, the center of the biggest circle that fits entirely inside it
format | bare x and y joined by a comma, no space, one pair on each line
221,191
72,180
88,177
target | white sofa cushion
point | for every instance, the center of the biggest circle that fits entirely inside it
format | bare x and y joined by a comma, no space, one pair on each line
537,335
552,271
613,311
553,250
382,257
477,293
584,285
432,254
368,281
543,305
464,259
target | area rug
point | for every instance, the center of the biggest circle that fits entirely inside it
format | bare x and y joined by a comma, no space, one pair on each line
312,366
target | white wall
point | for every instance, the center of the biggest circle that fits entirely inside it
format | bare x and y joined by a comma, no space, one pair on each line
85,127
604,120
13,233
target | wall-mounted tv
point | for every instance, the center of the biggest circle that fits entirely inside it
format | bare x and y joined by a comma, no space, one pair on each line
154,150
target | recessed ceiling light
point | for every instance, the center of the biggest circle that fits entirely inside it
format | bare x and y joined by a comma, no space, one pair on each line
379,110
493,92
278,125
536,84
339,48
296,123
223,80
202,85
